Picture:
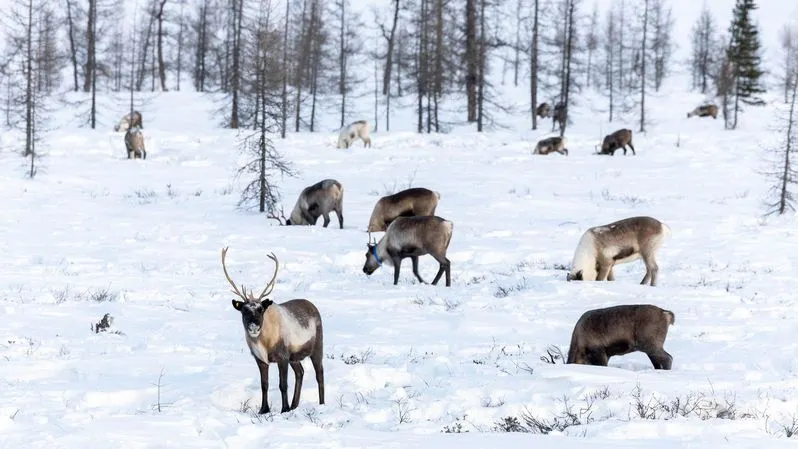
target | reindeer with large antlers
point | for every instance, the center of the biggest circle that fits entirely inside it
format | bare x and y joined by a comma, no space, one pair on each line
282,333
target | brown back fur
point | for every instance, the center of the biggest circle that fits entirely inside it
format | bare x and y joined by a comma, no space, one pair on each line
412,202
602,333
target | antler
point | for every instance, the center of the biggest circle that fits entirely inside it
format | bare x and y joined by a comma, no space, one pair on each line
270,285
280,219
240,293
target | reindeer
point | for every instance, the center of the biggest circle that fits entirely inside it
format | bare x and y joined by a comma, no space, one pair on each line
413,202
354,131
602,333
134,143
282,333
616,141
126,122
602,247
551,145
560,115
319,200
543,110
412,237
707,110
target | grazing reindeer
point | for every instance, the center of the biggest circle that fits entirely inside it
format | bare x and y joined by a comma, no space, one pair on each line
412,237
134,143
551,145
126,122
282,333
354,131
602,333
602,247
559,116
319,200
543,110
707,110
414,202
616,141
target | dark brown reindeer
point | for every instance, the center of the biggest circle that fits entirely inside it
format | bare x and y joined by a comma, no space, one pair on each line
617,141
560,115
551,145
282,333
127,122
603,247
602,333
413,202
134,143
543,110
412,237
707,110
317,201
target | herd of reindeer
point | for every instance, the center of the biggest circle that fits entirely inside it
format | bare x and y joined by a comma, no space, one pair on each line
286,333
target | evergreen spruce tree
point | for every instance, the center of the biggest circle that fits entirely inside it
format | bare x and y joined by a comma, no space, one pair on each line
743,52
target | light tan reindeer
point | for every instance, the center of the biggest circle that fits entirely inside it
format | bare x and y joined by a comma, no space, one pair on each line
128,121
602,247
134,143
282,333
354,131
413,202
317,201
707,110
412,237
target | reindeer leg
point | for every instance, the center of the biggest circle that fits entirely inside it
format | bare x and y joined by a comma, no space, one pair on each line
264,386
415,268
397,261
299,374
340,214
660,359
633,148
597,357
326,216
282,367
651,270
445,267
317,359
611,274
604,269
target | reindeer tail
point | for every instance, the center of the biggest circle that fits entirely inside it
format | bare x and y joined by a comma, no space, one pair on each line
671,317
666,230
438,194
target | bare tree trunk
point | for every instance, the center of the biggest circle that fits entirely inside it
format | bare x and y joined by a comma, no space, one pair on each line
29,97
73,51
533,58
785,179
235,81
180,46
517,49
342,63
471,56
386,77
91,41
569,56
643,57
437,89
482,55
284,94
159,43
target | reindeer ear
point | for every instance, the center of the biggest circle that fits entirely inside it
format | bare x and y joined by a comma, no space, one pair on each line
238,304
266,303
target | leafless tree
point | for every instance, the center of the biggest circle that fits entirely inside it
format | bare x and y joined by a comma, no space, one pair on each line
661,18
788,39
533,61
705,48
784,174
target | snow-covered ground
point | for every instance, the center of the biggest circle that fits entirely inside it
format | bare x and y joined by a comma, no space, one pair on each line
407,365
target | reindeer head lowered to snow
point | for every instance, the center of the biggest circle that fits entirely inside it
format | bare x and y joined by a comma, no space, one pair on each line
283,333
